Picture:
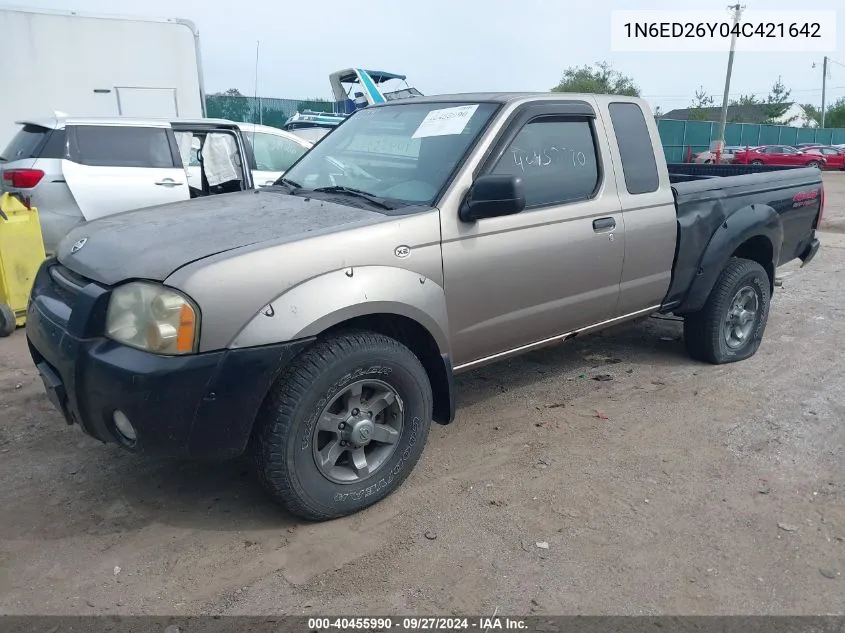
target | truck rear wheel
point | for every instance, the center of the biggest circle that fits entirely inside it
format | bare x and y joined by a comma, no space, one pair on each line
343,426
731,324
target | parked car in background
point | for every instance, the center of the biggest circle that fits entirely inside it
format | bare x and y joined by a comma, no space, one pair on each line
778,155
727,155
75,169
834,156
79,168
270,151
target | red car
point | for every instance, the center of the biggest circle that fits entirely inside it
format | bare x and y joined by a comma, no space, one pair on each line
778,155
834,156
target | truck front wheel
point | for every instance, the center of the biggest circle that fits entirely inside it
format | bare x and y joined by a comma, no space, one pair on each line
343,426
730,326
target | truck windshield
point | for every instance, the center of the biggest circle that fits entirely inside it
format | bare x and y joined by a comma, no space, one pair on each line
404,153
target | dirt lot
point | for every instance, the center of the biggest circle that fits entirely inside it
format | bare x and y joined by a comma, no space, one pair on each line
705,490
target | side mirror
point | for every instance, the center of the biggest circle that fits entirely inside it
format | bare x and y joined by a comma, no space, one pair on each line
491,196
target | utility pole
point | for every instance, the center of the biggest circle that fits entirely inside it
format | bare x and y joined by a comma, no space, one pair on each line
723,119
824,85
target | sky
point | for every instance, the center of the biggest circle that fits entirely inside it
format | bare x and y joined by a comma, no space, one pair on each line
464,45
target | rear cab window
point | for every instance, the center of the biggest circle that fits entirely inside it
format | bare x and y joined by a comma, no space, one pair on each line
34,141
639,166
117,146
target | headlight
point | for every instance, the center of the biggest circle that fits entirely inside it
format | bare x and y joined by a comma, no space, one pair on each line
153,318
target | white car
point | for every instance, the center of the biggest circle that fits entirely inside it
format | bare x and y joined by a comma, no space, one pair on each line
75,169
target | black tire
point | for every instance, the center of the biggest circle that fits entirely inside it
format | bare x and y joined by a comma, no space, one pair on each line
7,320
756,162
704,331
283,454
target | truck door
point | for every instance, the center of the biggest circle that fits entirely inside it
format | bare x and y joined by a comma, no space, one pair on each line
114,168
520,279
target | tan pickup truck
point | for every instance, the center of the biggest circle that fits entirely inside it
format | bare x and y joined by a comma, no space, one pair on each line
318,322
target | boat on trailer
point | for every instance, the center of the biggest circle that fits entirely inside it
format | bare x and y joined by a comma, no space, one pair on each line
353,89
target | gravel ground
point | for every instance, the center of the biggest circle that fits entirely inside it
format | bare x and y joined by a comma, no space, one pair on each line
676,488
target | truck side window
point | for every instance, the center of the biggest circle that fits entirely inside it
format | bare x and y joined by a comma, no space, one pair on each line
556,159
635,148
115,146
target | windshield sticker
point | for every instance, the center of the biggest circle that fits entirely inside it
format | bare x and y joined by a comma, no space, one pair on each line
446,121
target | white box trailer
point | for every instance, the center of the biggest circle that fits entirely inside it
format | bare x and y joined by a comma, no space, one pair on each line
98,65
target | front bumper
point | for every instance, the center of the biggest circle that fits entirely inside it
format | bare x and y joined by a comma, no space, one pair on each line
199,406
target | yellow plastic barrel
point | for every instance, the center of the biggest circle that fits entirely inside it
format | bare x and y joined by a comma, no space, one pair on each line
21,254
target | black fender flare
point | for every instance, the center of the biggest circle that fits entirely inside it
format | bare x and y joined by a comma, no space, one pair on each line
756,220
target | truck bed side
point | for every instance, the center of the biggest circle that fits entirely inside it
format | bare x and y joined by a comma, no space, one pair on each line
769,213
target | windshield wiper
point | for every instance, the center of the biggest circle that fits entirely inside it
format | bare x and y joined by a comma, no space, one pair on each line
379,202
290,184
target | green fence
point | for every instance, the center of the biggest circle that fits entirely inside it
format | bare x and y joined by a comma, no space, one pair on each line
679,137
268,111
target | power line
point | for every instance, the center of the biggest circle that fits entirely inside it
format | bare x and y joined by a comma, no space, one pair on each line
739,94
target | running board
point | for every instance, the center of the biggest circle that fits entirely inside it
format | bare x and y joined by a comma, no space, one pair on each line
560,338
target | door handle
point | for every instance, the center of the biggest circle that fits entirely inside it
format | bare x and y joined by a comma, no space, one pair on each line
168,182
604,224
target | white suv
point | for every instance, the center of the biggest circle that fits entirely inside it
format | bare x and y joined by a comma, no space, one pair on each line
75,169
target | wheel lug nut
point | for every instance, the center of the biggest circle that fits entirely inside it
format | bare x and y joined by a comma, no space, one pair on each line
355,412
369,414
341,426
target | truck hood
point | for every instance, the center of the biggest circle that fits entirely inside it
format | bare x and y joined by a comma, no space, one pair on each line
152,243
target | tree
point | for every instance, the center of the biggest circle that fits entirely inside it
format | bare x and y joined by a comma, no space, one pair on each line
698,110
812,115
835,114
600,78
745,100
777,104
229,104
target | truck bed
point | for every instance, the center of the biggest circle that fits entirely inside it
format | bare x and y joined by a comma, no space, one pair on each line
706,196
